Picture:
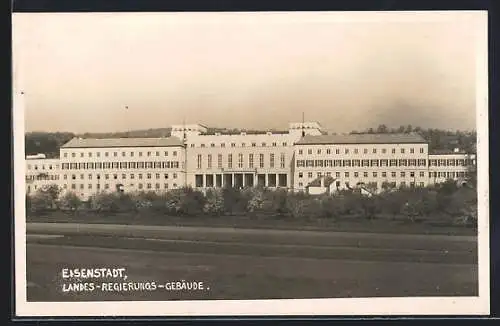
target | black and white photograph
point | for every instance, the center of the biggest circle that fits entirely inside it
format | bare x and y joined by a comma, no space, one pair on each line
251,163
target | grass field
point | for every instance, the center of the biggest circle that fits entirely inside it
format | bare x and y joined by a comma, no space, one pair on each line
252,264
384,224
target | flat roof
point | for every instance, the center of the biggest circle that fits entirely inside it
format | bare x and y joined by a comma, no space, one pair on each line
122,142
411,138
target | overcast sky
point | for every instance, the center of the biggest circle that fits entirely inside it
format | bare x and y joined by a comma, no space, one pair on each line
246,70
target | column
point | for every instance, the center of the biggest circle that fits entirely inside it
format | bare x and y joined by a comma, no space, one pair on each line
232,180
215,181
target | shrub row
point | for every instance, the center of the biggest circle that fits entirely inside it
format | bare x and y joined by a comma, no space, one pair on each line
414,204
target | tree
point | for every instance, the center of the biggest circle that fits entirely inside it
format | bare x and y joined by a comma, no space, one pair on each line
70,201
53,192
40,202
214,204
382,129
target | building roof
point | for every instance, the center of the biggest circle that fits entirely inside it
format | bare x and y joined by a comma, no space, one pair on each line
317,182
411,138
447,152
122,142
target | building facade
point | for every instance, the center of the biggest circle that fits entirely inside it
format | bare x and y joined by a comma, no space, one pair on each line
41,172
290,160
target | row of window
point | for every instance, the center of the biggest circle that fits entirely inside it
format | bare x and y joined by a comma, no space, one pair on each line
123,176
42,167
253,144
402,174
42,177
241,161
450,162
384,185
120,165
329,151
360,163
116,154
90,186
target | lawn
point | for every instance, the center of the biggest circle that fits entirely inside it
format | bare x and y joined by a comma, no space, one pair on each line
381,224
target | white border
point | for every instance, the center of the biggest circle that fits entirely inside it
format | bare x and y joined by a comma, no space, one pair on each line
353,306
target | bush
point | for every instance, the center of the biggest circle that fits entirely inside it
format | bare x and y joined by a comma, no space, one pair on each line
40,202
70,201
214,204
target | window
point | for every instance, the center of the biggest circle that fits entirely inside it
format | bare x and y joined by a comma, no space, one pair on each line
374,151
175,177
106,154
309,174
148,154
319,151
300,152
328,151
199,161
166,175
403,174
157,186
175,153
82,176
250,161
356,151
374,174
274,144
301,174
365,151
230,161
73,186
309,151
422,150
261,161
149,186
393,174
157,176
393,151
284,144
346,151
209,163
140,185
140,154
65,154
402,150
384,150
263,144
384,174
346,174
115,154
202,145
73,154
140,175
422,174
240,160
222,145
337,174
356,174
233,145
219,161
271,160
148,175
365,174
412,174
282,160
106,186
337,151
90,186
422,184
412,150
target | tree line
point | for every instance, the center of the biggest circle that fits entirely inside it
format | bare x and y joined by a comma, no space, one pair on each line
447,202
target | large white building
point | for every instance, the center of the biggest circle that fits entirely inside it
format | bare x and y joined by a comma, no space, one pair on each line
290,159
